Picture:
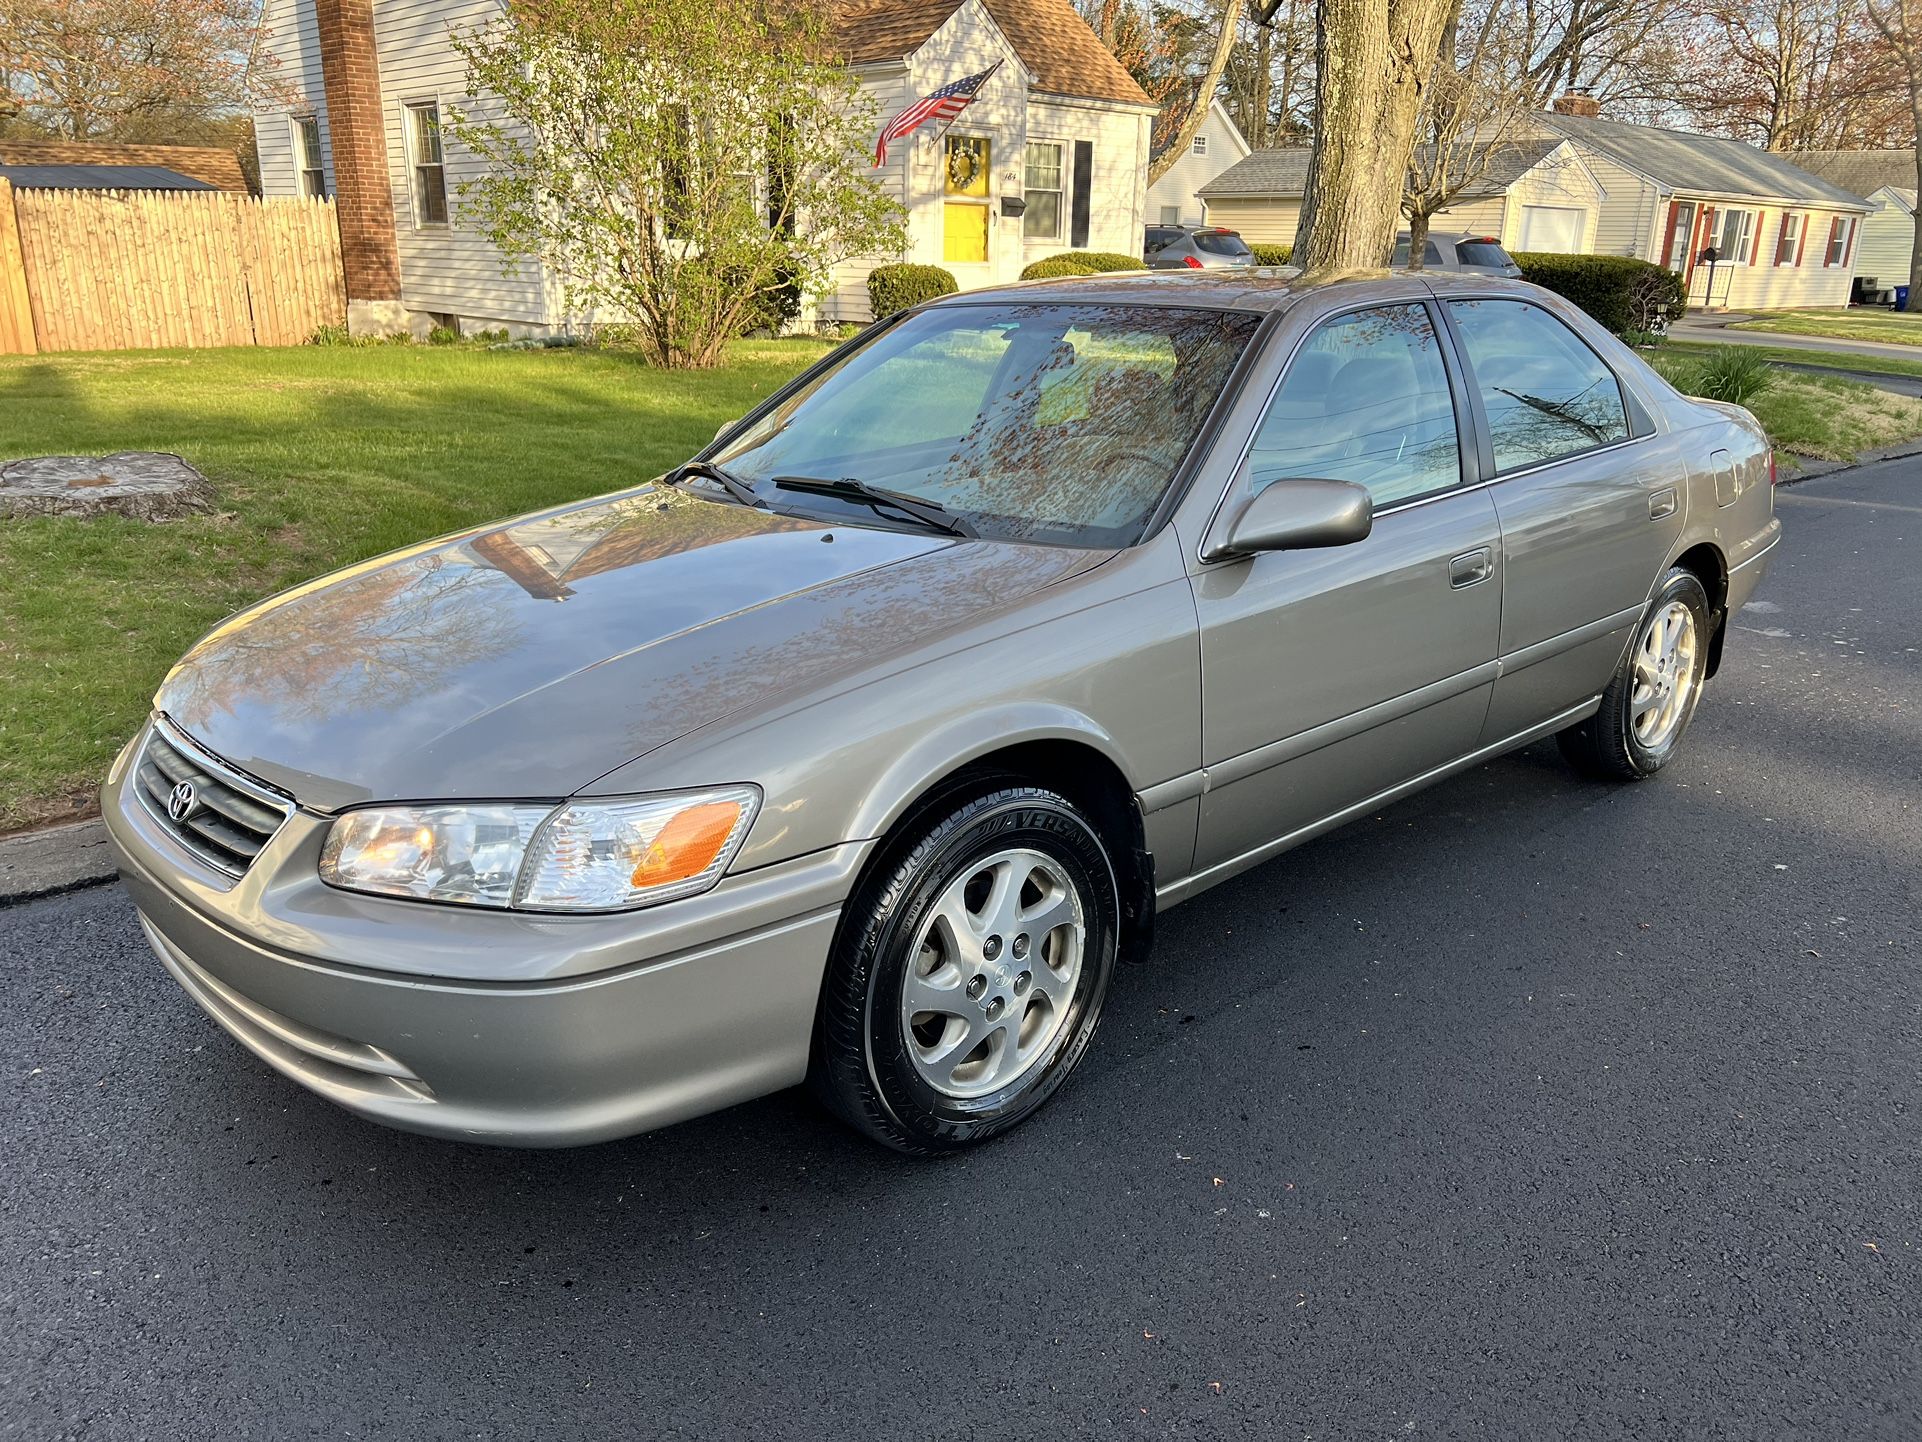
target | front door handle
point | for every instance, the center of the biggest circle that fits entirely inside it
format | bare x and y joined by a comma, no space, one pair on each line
1470,569
1661,505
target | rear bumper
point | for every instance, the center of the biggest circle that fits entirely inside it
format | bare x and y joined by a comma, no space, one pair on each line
659,1035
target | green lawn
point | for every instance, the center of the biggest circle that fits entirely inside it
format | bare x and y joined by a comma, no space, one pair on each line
1833,360
1876,325
319,457
1819,417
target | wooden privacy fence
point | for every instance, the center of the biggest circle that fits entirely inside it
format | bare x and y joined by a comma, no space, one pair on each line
122,269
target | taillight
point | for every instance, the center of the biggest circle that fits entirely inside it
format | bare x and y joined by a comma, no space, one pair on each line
1191,261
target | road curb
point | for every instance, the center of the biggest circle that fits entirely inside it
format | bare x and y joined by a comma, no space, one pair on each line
60,858
1808,468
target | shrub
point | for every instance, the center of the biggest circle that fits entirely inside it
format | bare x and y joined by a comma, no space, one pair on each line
1266,254
1621,292
1080,262
776,306
1735,373
896,287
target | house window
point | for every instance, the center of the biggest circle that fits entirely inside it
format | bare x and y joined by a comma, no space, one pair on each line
428,167
1171,215
1200,147
964,213
1789,240
310,173
1042,219
1738,231
1839,231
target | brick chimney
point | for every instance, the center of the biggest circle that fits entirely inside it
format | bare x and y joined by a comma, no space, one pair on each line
1578,102
364,200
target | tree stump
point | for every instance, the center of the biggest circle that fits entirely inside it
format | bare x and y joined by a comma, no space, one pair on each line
144,485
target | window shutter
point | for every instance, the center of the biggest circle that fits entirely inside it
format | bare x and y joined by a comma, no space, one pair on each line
1083,184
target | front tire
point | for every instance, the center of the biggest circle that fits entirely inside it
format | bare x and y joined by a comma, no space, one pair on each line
1653,695
969,974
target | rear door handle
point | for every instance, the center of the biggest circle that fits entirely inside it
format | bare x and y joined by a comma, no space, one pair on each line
1470,569
1662,504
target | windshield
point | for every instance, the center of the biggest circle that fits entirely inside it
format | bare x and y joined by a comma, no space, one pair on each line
1054,423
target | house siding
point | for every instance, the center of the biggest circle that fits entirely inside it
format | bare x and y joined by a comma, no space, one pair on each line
290,36
451,269
1887,244
1176,189
1760,284
1559,181
1628,220
1259,219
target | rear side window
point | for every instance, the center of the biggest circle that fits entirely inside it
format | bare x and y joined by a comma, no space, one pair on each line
1481,252
1161,235
1430,255
1547,395
1216,242
1365,400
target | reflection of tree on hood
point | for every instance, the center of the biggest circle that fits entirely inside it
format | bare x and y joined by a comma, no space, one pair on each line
385,635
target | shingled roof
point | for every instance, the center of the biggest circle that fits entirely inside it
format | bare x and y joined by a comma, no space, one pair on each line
1283,174
1063,55
1702,164
1860,172
209,164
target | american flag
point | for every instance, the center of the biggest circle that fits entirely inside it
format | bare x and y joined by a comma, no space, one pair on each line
944,104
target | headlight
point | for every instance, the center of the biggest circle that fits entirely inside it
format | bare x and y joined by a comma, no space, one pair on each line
579,856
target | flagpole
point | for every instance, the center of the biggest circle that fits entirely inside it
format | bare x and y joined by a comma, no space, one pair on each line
978,89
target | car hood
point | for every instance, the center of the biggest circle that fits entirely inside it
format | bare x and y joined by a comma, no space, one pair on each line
530,658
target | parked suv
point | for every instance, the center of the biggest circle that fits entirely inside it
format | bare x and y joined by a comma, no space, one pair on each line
1474,254
1194,247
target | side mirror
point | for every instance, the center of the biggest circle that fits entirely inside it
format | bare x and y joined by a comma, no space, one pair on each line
1299,514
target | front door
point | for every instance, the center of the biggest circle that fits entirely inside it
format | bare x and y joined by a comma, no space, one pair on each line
1329,676
1590,502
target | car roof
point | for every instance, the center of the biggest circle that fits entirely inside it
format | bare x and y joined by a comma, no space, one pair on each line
1259,288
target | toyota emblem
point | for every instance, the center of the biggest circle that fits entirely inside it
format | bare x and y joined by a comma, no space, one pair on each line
183,801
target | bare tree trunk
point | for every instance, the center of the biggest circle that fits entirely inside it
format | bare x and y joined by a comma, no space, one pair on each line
1417,238
1263,127
1915,251
1374,57
1204,95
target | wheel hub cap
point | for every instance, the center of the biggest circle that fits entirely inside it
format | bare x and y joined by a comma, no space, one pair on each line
993,974
1664,682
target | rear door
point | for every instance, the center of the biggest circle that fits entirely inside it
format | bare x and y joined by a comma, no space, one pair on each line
1329,676
1588,494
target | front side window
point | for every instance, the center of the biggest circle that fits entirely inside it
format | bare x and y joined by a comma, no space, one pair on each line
1365,400
1042,219
1787,242
967,164
1839,230
307,159
1737,229
428,167
1546,394
1062,424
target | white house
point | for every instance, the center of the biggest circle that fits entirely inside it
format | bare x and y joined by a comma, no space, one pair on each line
1782,237
1175,199
1052,156
1532,193
1888,239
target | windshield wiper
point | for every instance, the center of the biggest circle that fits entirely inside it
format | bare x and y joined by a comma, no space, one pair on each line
932,514
739,489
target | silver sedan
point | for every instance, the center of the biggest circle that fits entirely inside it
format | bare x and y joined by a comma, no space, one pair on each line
859,749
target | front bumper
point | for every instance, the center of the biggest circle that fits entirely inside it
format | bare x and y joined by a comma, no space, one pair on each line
598,1027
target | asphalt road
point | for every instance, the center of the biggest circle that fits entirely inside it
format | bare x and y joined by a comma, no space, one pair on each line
1530,1108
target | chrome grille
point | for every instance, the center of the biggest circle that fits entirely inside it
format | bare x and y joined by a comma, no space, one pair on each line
225,820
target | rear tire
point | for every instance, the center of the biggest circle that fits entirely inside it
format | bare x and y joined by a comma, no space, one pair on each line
1653,695
969,973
